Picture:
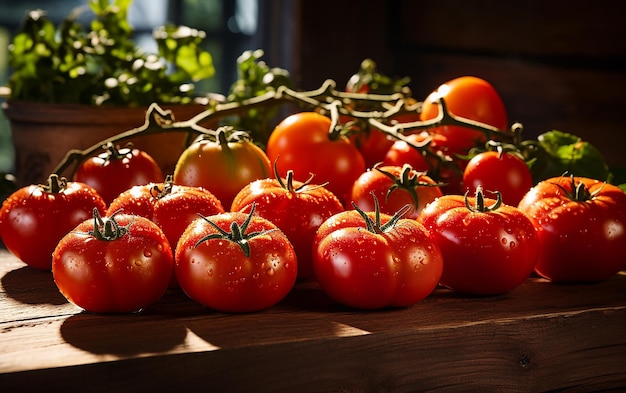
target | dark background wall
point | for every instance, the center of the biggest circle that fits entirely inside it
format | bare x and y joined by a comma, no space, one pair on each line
556,64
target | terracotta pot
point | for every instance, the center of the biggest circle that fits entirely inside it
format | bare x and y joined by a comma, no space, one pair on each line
43,133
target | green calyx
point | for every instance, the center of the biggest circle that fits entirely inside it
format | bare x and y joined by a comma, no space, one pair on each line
237,232
107,228
375,225
55,184
408,180
157,192
480,206
114,153
287,184
579,192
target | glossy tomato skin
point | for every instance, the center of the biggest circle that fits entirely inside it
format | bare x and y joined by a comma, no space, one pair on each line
222,168
449,173
580,241
373,145
366,270
172,207
494,171
111,174
123,275
401,153
32,220
373,181
298,213
219,275
172,211
471,98
484,253
303,144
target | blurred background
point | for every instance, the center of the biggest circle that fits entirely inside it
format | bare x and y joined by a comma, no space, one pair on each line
557,64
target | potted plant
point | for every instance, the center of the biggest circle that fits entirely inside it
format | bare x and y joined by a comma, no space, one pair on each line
72,85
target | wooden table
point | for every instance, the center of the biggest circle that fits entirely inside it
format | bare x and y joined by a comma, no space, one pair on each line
539,337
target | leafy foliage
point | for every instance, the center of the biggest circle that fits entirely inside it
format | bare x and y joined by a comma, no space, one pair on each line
256,78
103,65
559,152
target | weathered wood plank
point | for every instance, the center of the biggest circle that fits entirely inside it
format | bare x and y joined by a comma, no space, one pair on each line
538,337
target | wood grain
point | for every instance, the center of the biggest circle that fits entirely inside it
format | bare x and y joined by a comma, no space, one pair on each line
539,337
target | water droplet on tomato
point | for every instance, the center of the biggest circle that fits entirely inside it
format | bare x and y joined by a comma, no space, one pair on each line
209,272
512,245
270,271
147,253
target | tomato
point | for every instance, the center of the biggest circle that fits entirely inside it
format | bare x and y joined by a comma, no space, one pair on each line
114,264
488,248
223,165
581,224
438,160
373,260
305,146
499,171
172,207
34,218
235,262
297,208
373,145
471,98
394,187
116,170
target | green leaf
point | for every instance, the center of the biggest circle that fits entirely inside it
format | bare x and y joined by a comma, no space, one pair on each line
567,153
70,64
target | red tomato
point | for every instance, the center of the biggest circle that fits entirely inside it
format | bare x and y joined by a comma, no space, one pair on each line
488,248
297,208
304,145
116,264
499,171
34,218
248,264
440,163
394,187
373,145
581,224
117,170
375,262
172,207
471,98
223,166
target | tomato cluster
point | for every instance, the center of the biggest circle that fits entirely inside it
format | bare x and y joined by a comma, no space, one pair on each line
377,218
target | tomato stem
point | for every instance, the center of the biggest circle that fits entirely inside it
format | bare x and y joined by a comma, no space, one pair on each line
107,228
157,192
579,191
325,99
408,180
480,206
237,232
55,184
374,225
287,184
